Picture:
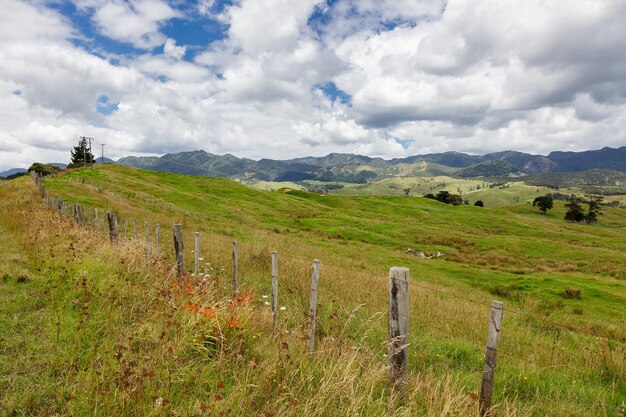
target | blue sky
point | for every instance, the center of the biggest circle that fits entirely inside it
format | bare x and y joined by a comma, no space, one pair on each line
282,79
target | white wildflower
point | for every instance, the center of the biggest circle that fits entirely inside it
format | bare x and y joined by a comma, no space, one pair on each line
283,308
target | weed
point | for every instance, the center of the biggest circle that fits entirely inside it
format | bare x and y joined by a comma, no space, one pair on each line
572,293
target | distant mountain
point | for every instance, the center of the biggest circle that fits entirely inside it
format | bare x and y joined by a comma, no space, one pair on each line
58,164
12,171
451,159
495,168
605,158
343,167
593,181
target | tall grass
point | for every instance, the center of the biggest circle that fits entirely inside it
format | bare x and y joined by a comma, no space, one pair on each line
118,335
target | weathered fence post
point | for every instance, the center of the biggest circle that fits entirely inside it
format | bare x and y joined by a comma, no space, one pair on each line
398,349
158,240
235,271
147,239
124,227
274,288
493,334
179,249
135,229
97,221
196,255
81,215
113,235
315,277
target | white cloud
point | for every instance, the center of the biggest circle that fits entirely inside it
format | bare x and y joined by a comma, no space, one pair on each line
170,48
135,22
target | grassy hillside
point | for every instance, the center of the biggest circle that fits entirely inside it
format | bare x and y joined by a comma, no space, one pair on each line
114,338
471,189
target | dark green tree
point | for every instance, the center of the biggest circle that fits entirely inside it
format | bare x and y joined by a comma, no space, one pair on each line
80,153
544,203
446,197
594,209
575,212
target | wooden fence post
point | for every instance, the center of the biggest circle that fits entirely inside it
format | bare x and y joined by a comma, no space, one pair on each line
398,349
235,271
147,239
158,240
81,215
135,229
97,221
495,325
315,277
196,255
113,235
124,227
274,288
179,249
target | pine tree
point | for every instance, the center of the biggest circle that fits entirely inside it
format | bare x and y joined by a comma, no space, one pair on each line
81,152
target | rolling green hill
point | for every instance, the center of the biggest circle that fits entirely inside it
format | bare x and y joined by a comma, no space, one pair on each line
563,284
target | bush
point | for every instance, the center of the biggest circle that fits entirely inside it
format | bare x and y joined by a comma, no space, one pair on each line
479,203
43,169
572,293
446,197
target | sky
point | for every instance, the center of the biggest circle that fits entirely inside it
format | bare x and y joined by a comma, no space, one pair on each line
288,78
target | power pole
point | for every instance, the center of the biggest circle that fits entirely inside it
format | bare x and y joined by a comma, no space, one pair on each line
102,160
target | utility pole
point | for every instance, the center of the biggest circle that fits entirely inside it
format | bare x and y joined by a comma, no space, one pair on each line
102,160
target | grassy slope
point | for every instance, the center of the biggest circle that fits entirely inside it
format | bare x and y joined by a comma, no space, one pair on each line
516,192
527,258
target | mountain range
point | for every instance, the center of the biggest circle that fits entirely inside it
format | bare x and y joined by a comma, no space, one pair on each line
360,169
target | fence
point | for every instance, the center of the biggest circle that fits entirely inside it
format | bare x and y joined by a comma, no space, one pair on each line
399,287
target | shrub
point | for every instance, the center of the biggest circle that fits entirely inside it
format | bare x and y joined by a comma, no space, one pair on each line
572,293
479,203
43,169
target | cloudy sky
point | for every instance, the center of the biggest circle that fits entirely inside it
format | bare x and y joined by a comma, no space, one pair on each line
287,78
